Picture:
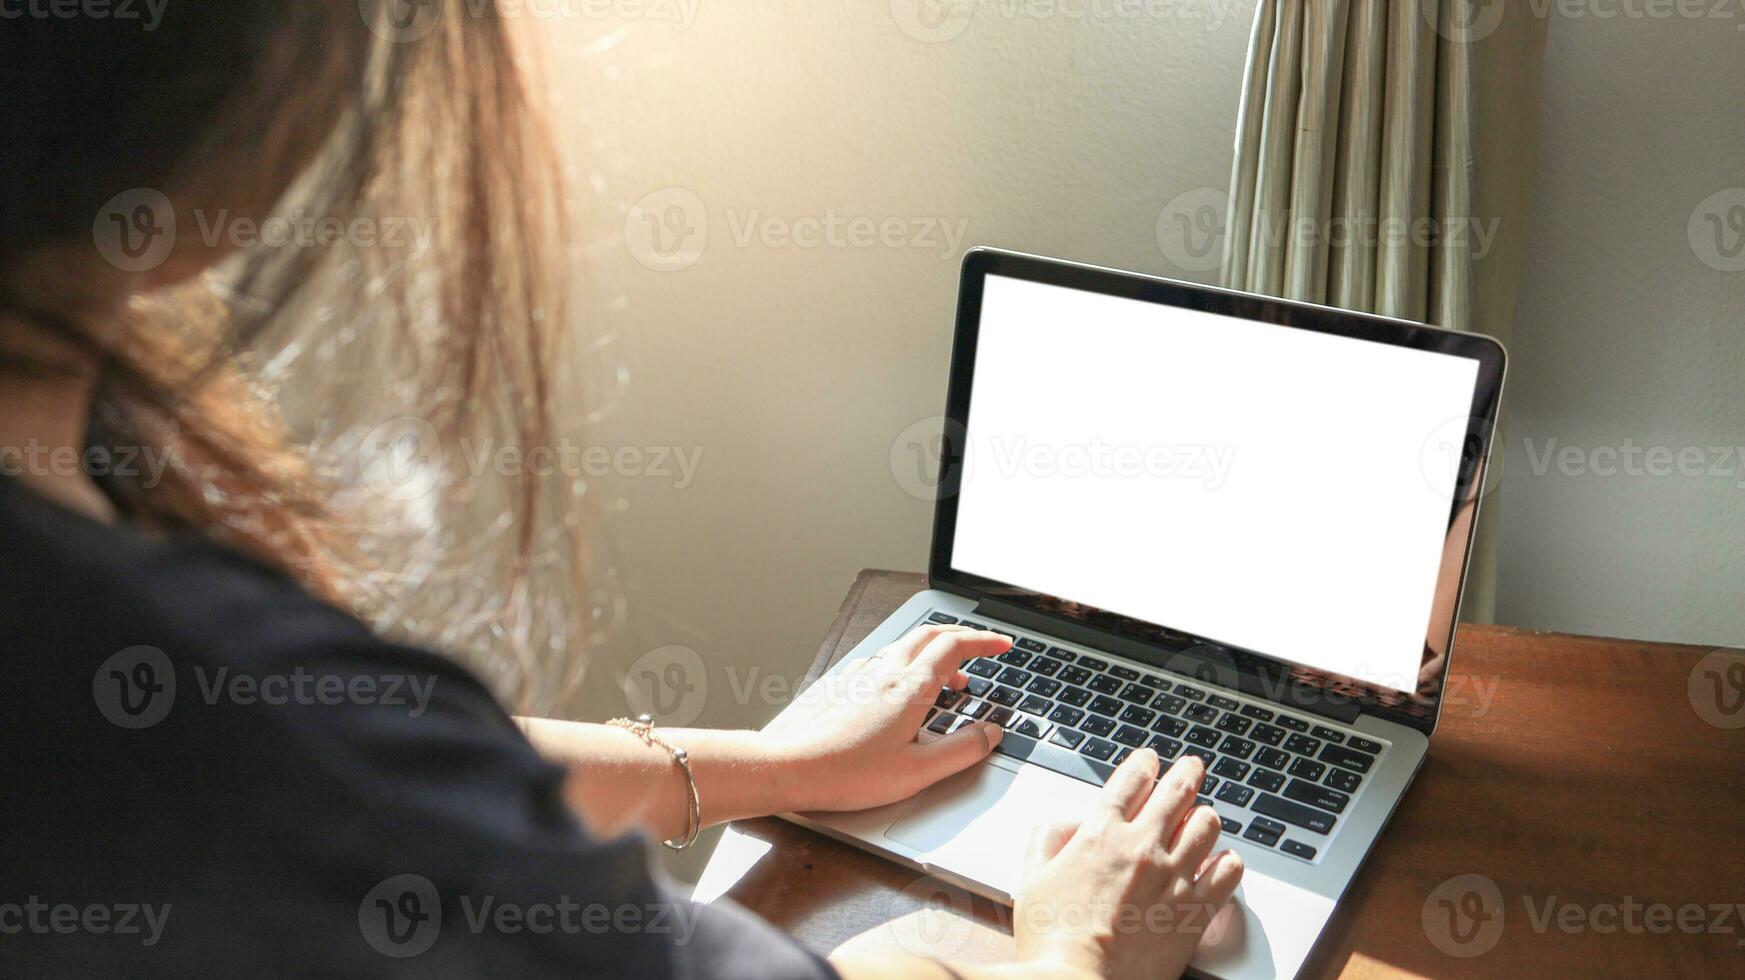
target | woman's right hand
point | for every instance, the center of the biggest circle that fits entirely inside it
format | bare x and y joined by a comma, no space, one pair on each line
1132,890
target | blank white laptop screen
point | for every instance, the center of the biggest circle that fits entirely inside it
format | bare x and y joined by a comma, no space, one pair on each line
1266,487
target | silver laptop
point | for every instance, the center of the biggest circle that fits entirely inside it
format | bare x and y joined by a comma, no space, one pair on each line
1213,523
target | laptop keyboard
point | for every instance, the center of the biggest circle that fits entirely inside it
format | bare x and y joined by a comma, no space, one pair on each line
1275,779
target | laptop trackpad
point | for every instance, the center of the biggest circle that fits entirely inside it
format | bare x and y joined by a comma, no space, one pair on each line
977,824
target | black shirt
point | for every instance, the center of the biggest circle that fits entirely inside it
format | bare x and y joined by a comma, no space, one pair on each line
210,773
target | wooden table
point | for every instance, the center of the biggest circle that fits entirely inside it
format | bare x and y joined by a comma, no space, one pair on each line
1572,773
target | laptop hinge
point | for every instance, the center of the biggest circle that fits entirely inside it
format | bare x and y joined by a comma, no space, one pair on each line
1201,661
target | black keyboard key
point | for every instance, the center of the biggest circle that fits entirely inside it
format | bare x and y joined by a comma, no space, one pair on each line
1065,714
1121,755
1104,684
1169,704
1173,727
1231,768
972,708
1264,831
1362,744
1034,646
942,618
1205,714
1014,657
1096,748
1030,727
1267,780
1125,673
1154,682
1191,693
1294,724
1013,677
1241,748
983,667
999,717
1302,744
1201,735
1102,704
1235,794
1075,675
1132,715
1035,704
1220,701
1293,813
941,722
1065,656
1256,712
1298,849
1136,693
1231,825
1166,748
1345,758
1098,725
1329,734
974,626
1209,785
1004,696
947,697
1093,663
1267,734
1129,736
1344,782
1207,756
1046,666
979,686
1235,724
1273,758
1075,696
1046,686
1330,800
1306,769
1066,738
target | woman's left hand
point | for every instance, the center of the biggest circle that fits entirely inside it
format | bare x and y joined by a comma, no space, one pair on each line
851,736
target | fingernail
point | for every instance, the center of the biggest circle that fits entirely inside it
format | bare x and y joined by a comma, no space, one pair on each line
991,734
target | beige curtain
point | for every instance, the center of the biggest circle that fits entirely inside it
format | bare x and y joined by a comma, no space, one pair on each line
1384,156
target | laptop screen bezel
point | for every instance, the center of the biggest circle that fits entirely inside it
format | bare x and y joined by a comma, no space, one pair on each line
1159,643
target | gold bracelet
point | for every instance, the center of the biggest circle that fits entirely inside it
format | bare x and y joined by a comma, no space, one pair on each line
643,728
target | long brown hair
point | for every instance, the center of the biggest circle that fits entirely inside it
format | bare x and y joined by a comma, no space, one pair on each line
348,110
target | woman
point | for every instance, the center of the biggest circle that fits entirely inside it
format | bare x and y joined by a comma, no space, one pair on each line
216,768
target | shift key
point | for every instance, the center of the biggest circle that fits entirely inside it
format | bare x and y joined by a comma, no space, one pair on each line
1306,817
